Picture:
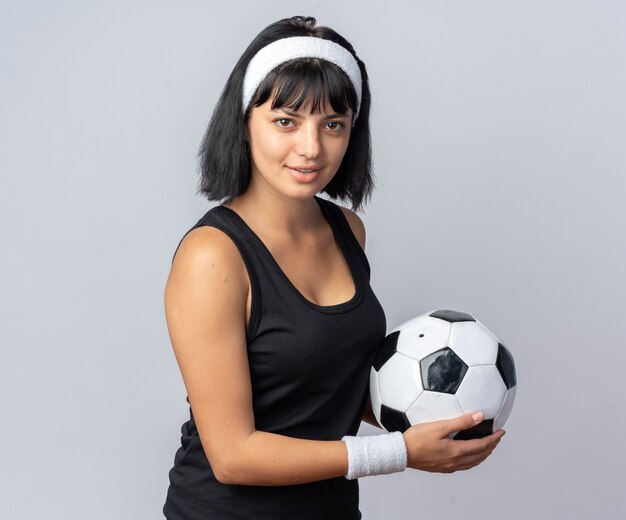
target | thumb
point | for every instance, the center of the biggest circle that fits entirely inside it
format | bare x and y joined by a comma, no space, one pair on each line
464,421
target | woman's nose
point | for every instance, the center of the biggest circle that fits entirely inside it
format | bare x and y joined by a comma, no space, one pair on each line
308,141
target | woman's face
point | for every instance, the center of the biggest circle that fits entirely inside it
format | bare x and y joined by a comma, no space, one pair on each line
282,141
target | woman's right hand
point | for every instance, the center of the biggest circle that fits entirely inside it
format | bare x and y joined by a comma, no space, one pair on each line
430,448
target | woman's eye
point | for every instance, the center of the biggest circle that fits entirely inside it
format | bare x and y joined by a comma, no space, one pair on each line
281,121
338,124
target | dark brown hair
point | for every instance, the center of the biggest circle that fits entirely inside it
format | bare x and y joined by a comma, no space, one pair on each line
224,152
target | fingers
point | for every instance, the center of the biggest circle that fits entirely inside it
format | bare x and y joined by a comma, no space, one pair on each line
469,461
477,446
473,452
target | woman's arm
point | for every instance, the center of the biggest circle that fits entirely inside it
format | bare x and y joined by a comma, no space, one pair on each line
205,304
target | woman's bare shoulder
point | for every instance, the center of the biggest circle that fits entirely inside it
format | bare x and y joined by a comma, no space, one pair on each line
207,251
207,241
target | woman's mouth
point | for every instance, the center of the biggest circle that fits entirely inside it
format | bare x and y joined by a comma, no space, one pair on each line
305,175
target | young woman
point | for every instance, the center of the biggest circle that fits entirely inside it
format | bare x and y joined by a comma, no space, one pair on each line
269,308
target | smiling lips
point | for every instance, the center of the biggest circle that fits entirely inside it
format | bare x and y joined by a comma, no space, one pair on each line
305,175
304,168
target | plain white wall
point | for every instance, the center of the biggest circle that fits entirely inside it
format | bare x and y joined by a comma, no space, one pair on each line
499,138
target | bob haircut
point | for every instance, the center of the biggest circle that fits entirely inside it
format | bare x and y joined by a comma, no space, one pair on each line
225,165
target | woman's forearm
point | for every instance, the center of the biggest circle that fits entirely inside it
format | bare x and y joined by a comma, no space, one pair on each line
270,459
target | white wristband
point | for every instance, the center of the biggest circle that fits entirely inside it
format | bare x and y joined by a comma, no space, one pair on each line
375,454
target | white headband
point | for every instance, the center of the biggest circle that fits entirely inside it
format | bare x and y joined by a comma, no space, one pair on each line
285,49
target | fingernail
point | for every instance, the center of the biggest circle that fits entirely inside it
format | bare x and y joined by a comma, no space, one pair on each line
477,416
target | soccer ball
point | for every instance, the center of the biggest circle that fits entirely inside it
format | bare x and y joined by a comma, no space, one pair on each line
440,365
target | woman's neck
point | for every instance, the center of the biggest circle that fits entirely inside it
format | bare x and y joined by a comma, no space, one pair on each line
278,214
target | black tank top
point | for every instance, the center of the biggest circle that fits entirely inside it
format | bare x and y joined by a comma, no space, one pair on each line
309,367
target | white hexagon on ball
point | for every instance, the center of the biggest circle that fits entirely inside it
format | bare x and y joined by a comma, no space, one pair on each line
399,382
473,343
422,336
482,389
433,406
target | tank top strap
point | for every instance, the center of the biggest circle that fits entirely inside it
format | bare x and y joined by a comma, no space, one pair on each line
344,233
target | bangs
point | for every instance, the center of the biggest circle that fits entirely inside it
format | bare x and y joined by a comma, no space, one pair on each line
302,81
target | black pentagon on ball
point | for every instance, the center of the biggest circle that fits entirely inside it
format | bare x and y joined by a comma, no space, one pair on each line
476,432
393,420
452,316
506,366
442,371
386,350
